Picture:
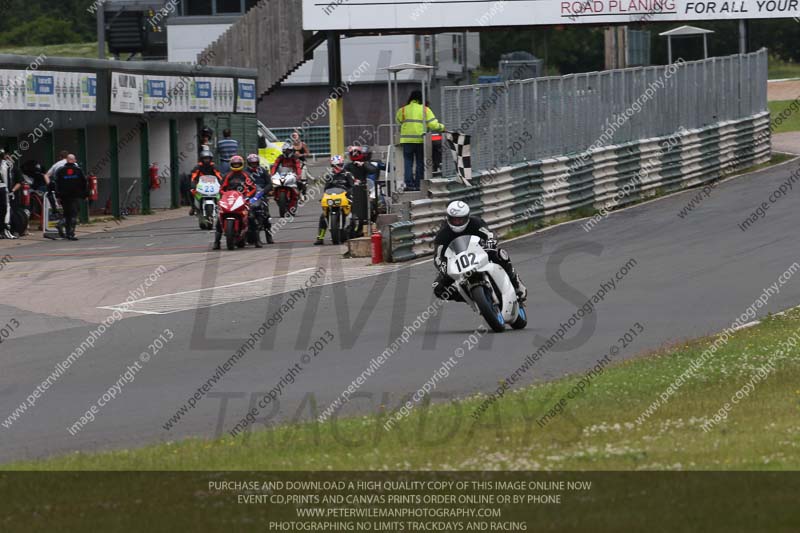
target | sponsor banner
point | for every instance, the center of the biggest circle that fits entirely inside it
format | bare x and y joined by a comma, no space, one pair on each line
155,93
394,14
13,89
45,90
211,95
246,101
88,83
127,93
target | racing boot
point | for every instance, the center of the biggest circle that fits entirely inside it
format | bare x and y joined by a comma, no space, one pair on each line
268,235
519,287
258,241
320,238
217,240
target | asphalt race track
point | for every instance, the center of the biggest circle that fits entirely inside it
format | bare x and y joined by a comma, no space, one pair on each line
692,276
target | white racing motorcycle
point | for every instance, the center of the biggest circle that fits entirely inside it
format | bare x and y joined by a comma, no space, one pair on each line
207,195
483,284
284,190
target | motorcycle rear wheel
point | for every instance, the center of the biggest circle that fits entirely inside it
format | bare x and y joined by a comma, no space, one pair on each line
230,234
489,311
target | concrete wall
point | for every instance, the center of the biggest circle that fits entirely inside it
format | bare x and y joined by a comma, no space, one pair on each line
185,41
367,103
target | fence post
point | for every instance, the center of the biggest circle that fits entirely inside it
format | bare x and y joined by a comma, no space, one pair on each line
174,165
144,156
113,152
84,160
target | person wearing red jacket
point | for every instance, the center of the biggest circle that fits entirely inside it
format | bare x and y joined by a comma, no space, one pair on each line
287,159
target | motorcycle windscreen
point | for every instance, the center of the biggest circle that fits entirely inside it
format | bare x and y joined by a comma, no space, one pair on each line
334,191
459,244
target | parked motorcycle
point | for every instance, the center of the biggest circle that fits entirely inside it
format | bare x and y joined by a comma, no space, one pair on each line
284,189
484,285
233,215
336,209
207,197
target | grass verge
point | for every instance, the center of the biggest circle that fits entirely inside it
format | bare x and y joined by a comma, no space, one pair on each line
792,122
56,50
599,429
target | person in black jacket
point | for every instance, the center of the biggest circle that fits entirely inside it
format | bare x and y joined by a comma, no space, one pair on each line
458,223
71,187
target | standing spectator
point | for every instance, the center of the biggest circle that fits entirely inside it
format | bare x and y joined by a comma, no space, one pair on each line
413,118
62,160
226,148
301,150
204,145
6,178
71,186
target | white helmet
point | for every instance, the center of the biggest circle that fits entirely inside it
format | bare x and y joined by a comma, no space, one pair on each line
457,216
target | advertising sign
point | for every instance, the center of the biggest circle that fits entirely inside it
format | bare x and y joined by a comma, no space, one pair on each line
407,14
127,93
246,96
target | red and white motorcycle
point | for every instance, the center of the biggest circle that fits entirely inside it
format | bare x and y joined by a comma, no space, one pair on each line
233,215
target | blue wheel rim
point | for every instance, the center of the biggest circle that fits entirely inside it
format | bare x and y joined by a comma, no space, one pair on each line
522,313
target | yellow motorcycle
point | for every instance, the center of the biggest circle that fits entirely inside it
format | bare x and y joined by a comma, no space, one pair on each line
336,210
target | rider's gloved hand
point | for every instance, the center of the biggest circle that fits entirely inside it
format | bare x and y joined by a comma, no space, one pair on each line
440,264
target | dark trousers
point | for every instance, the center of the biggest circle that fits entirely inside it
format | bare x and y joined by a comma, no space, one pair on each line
4,208
70,205
412,152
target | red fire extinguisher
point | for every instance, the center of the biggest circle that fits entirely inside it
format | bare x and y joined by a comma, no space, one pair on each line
26,195
377,248
93,191
155,182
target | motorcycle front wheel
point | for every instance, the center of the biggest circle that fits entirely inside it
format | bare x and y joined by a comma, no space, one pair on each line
230,234
489,311
283,202
336,229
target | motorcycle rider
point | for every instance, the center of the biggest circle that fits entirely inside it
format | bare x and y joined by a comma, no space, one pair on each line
289,159
359,166
205,167
458,223
236,180
263,183
336,177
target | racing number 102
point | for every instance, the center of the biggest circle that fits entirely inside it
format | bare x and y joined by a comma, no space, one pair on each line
466,260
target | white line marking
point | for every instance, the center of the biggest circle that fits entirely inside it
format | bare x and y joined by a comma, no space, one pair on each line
245,290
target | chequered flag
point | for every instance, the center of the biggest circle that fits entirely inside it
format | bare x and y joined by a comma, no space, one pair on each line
459,147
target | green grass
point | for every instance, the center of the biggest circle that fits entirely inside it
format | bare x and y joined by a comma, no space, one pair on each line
792,120
55,50
597,430
778,70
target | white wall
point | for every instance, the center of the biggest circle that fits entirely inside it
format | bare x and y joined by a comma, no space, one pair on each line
185,41
159,153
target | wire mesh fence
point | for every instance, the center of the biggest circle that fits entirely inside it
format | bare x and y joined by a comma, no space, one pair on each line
518,121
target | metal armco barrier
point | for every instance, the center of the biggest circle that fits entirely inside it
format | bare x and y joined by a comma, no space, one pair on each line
516,195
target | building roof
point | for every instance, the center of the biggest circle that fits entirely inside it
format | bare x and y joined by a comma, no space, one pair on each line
685,30
12,61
